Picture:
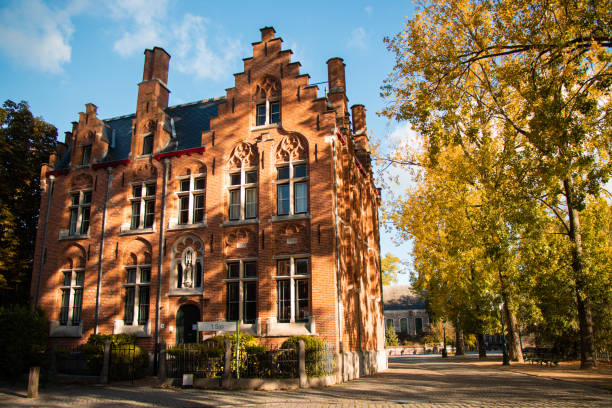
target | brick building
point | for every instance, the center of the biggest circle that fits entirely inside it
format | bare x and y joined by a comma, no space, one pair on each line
258,206
405,311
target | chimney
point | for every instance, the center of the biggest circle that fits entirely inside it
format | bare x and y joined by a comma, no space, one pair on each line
267,33
335,75
156,65
153,93
360,137
359,119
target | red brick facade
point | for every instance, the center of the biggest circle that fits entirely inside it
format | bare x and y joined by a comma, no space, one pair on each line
337,231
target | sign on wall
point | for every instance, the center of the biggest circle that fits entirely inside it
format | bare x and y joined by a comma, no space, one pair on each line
216,326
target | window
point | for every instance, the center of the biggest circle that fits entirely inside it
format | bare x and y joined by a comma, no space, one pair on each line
241,291
267,113
390,323
143,206
138,279
80,206
418,325
147,144
85,155
404,325
292,189
191,199
292,289
243,195
72,297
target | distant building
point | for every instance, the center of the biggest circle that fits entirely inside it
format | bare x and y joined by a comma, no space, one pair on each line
405,311
256,207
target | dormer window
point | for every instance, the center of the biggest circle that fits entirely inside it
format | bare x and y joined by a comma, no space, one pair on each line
268,113
147,144
85,155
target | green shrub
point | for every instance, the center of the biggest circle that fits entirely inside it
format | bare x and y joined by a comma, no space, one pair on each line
391,337
316,355
121,361
23,340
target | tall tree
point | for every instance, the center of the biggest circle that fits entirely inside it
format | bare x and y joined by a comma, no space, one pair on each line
25,144
538,74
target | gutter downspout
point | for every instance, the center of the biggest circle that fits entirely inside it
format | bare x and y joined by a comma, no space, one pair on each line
338,277
44,242
109,178
161,258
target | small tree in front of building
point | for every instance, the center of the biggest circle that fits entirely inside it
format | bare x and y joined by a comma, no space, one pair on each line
391,337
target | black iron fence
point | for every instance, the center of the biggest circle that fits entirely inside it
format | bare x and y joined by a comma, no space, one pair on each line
278,363
77,361
192,360
122,363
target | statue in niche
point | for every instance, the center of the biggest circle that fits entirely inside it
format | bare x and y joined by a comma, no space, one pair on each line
188,270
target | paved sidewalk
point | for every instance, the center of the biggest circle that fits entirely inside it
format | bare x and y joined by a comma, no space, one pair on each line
409,382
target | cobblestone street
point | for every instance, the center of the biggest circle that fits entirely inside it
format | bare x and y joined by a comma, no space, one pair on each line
409,382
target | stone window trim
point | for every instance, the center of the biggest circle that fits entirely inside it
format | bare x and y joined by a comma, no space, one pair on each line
294,201
136,282
71,300
194,200
79,211
245,187
141,201
241,280
294,279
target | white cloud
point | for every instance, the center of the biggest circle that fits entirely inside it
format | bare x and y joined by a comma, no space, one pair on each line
193,53
359,38
37,36
187,40
368,9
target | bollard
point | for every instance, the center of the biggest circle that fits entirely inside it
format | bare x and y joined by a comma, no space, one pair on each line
227,369
302,364
162,370
106,363
33,382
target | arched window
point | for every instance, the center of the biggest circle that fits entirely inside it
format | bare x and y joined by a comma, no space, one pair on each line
187,265
242,182
267,102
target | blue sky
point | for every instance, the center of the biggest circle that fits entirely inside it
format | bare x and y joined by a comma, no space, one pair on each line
59,55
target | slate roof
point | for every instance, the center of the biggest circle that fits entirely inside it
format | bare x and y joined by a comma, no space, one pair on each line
401,297
188,121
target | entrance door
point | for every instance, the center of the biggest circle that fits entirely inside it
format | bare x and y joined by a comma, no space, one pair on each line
186,324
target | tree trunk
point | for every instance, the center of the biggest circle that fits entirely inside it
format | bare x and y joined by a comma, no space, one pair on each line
514,342
459,342
587,343
482,347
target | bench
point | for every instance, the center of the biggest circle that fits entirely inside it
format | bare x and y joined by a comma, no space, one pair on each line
542,358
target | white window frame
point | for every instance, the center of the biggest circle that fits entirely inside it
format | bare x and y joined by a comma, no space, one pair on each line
268,103
137,284
291,181
80,208
293,278
241,280
71,289
190,194
142,200
243,187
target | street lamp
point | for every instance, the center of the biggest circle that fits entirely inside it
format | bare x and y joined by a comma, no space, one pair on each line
506,360
444,352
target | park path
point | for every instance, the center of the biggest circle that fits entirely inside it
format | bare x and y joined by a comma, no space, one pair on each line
409,382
